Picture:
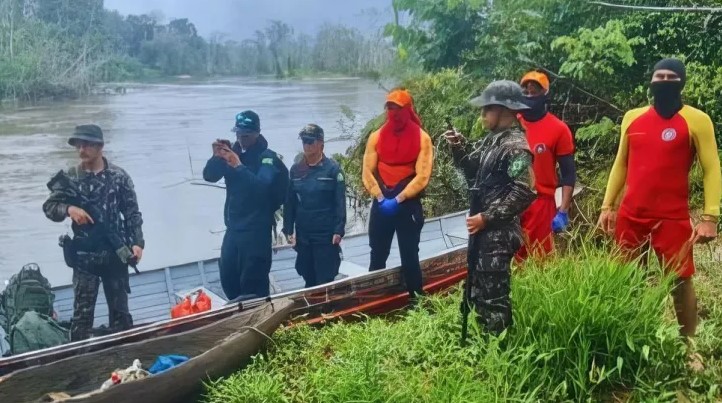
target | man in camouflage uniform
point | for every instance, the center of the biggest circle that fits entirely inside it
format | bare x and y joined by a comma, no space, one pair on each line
108,202
498,170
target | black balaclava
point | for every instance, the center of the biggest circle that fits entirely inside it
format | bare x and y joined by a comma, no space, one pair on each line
538,107
668,94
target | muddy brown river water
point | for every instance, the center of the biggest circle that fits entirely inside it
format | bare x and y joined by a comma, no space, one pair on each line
150,132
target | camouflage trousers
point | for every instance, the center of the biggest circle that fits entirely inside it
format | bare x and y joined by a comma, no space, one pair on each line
491,278
85,289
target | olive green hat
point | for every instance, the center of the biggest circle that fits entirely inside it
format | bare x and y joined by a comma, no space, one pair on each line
89,133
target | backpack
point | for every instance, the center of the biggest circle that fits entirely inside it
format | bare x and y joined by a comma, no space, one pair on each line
27,290
280,183
35,331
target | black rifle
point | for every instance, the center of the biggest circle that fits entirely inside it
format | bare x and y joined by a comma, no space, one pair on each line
472,258
68,187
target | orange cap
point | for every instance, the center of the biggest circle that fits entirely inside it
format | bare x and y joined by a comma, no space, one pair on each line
538,77
399,97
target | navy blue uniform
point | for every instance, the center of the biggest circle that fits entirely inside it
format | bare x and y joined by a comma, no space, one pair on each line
246,251
316,209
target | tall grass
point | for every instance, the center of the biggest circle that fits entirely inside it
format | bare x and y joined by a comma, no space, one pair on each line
586,328
705,385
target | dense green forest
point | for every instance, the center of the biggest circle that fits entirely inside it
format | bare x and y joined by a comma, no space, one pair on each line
64,47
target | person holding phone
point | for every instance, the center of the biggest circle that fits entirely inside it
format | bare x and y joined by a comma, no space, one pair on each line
250,170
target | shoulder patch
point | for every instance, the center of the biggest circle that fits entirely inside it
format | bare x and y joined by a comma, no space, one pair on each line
339,177
519,164
267,161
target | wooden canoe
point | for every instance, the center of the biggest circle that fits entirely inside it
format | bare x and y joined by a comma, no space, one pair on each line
218,348
215,350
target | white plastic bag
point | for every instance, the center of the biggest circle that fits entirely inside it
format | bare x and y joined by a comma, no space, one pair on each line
129,374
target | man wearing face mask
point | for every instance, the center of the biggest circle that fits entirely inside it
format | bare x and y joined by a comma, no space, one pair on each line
498,169
396,169
314,215
658,146
550,140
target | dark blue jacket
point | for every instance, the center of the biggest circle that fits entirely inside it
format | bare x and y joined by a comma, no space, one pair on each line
316,203
248,187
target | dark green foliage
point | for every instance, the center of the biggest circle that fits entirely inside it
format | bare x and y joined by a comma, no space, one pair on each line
607,52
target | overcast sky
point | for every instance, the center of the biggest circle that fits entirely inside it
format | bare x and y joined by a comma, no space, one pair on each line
240,18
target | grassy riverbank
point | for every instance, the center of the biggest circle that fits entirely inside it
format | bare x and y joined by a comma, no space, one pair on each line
586,328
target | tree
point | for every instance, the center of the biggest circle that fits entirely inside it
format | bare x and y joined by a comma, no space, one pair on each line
77,17
440,32
278,33
183,28
140,28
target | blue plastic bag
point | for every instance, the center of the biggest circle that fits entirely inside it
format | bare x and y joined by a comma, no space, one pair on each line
166,362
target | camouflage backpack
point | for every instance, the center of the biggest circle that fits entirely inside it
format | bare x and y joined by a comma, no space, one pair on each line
28,290
35,331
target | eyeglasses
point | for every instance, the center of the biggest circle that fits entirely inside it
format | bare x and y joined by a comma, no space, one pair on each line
308,140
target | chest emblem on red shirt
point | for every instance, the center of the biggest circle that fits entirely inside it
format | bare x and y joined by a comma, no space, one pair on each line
540,148
669,134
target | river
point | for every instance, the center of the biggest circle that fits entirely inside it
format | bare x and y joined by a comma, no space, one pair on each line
150,132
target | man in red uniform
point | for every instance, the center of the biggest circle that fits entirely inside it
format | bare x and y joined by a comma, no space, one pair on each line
658,146
550,140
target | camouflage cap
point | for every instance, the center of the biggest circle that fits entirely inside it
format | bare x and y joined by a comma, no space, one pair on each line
311,131
504,93
89,133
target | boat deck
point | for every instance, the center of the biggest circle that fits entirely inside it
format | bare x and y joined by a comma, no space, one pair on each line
154,292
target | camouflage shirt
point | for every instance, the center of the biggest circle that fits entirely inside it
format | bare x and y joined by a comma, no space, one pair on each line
112,192
498,171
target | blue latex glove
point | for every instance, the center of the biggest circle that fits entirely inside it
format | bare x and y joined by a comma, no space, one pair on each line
389,207
560,222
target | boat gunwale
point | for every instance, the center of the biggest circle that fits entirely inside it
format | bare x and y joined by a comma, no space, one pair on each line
275,249
110,341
